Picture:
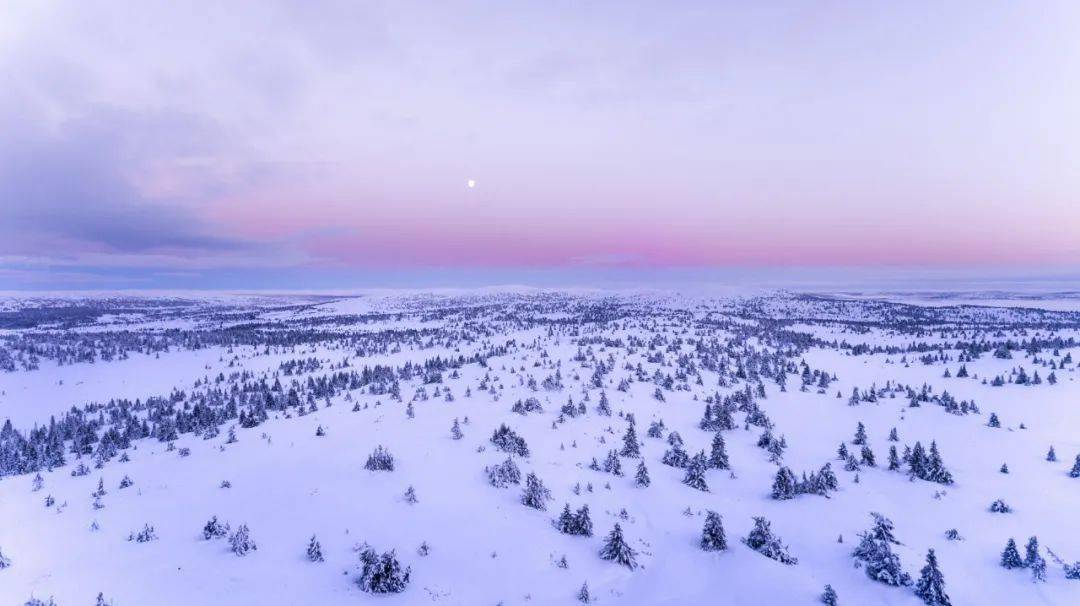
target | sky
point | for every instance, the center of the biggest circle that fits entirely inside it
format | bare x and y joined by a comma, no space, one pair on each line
293,144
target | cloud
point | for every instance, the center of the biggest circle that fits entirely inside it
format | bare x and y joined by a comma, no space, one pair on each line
72,188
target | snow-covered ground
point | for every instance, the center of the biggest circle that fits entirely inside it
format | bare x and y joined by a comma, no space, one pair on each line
297,364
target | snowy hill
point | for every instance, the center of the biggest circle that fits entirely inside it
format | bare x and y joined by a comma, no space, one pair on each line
132,423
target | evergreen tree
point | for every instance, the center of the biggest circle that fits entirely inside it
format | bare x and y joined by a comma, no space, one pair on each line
695,473
583,522
583,594
641,478
718,458
380,460
1031,551
314,550
1010,558
603,408
860,435
931,585
829,597
455,430
535,495
1038,570
631,447
215,530
783,487
894,459
762,540
240,542
868,457
5,562
712,535
1075,471
1051,455
382,574
876,555
618,550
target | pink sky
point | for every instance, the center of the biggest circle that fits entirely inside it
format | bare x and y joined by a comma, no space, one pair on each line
699,134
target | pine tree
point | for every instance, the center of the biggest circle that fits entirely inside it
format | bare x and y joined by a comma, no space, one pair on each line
616,549
868,457
314,550
875,553
240,542
783,487
860,435
712,535
535,495
829,597
931,585
936,471
1031,551
718,458
1010,558
994,421
455,430
382,574
695,473
583,594
5,561
631,447
894,459
1075,471
603,408
1038,570
380,460
762,540
641,478
1051,455
612,464
583,522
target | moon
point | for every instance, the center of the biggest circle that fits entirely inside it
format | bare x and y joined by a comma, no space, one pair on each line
471,183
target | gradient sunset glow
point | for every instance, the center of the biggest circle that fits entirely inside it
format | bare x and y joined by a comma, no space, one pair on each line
150,145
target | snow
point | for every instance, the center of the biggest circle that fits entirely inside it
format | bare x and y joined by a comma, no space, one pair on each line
485,546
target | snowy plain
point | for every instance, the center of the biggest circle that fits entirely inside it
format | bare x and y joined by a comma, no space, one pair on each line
484,546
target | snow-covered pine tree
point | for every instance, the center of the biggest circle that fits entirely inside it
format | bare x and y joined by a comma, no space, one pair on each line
718,457
712,535
860,435
641,477
583,594
314,550
762,540
875,553
1031,551
616,549
240,542
783,487
535,495
1010,557
931,584
695,473
603,408
631,447
382,574
214,529
380,460
829,597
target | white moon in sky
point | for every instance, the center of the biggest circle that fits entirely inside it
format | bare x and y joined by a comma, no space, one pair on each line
471,183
